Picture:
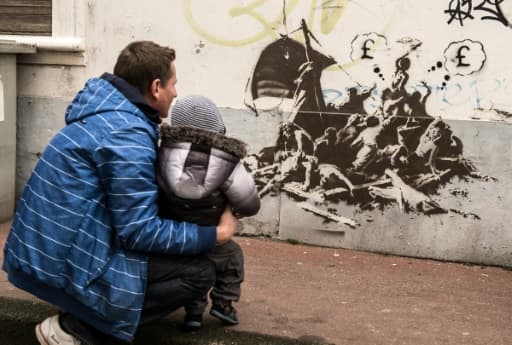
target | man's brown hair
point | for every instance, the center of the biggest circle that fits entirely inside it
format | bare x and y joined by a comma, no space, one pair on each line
141,62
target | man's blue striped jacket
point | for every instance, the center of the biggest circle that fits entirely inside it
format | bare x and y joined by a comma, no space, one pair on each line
88,218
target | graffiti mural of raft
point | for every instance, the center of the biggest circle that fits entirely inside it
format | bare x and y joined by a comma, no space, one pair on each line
396,156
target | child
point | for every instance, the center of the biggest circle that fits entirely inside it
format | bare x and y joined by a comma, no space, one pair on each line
199,173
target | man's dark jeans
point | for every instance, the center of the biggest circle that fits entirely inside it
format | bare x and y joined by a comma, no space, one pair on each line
173,281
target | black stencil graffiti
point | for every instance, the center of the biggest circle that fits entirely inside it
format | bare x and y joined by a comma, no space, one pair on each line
366,49
438,66
461,10
460,57
465,57
331,153
365,46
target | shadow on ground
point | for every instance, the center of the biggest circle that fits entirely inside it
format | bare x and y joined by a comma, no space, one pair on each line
19,317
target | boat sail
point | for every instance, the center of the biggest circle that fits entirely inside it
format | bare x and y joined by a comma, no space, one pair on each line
290,69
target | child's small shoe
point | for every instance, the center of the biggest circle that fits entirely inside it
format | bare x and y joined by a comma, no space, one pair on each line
225,312
193,322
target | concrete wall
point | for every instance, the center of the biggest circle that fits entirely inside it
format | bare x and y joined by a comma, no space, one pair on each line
454,58
47,81
7,133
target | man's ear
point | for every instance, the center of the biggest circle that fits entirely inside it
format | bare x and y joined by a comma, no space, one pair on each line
155,89
152,95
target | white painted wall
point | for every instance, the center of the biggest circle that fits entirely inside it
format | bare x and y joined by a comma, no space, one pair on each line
218,43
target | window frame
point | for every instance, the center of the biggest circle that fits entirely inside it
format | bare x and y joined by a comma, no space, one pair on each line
66,45
27,17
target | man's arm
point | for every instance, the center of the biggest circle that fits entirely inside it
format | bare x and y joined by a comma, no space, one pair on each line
126,165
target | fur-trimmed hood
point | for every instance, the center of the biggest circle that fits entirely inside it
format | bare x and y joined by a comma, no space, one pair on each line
176,134
198,169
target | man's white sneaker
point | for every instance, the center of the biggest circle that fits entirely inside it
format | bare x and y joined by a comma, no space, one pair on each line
49,332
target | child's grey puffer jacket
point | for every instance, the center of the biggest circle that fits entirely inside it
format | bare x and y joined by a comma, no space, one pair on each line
199,172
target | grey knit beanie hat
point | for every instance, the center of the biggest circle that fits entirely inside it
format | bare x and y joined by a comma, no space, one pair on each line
199,112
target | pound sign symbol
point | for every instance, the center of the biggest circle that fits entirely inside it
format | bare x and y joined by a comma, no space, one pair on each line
366,49
461,57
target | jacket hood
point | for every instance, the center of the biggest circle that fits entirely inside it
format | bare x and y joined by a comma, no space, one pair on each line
198,169
106,94
175,134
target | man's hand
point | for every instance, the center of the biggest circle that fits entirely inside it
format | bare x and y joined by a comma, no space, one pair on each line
226,227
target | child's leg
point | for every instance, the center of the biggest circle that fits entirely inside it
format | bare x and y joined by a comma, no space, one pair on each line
229,263
229,266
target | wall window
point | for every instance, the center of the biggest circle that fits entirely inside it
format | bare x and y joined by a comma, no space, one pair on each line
26,17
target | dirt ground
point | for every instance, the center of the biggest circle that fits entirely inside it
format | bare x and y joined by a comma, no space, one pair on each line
337,296
350,297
